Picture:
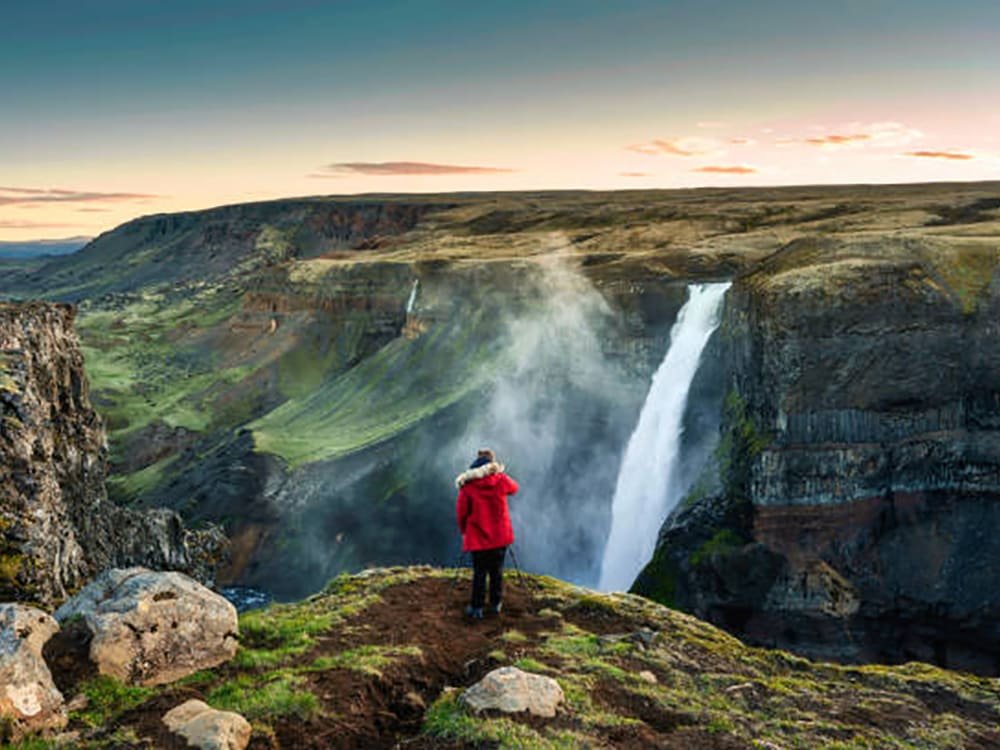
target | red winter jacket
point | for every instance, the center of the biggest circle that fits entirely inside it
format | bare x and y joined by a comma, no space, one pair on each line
481,508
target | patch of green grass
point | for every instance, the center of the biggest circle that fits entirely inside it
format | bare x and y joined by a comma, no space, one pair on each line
31,743
138,483
107,698
279,633
448,719
532,665
724,540
265,698
596,603
573,643
392,390
513,636
369,660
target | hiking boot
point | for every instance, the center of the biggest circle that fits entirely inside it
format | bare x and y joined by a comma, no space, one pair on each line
495,608
474,613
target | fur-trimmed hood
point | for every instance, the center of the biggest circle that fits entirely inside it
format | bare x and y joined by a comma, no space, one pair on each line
478,473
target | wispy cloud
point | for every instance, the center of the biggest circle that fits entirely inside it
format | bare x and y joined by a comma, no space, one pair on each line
15,224
953,155
23,196
743,141
867,135
836,139
392,168
635,174
724,169
684,146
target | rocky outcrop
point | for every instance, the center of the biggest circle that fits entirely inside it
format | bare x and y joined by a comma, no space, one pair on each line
150,628
203,727
512,690
57,527
29,699
861,458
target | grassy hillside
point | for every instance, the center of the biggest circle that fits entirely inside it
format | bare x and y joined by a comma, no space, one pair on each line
380,659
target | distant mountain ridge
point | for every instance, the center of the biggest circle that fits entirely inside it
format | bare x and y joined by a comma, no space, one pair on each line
38,248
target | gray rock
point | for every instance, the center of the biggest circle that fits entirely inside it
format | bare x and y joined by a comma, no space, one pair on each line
151,628
58,526
510,690
207,728
29,699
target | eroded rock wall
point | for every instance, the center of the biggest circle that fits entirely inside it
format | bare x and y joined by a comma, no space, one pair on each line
57,527
861,504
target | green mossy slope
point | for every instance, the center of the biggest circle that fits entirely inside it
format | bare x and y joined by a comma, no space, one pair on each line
381,657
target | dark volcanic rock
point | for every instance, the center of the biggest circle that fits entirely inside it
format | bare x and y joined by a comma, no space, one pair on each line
57,527
861,504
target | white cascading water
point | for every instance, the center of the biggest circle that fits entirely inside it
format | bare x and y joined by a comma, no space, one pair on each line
643,494
413,297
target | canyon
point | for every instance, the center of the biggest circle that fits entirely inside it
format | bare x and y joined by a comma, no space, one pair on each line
309,374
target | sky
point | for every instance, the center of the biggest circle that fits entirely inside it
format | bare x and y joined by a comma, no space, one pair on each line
112,109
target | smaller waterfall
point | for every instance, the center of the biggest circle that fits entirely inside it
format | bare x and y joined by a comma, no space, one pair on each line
412,301
643,492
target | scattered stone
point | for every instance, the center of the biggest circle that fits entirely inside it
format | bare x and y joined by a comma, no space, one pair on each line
207,728
29,699
78,703
151,628
740,688
648,677
415,701
643,638
511,690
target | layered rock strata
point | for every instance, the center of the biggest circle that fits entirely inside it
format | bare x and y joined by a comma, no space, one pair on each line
57,527
860,457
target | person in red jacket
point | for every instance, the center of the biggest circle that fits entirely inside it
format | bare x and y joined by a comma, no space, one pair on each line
484,519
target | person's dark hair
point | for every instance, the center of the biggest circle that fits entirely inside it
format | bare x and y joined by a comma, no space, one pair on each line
483,456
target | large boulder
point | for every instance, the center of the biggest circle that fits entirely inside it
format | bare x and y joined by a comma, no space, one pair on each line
29,700
207,728
150,628
511,690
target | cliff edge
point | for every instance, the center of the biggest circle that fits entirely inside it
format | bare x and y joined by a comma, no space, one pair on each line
57,527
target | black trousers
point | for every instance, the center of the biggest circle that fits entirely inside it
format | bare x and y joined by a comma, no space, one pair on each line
487,562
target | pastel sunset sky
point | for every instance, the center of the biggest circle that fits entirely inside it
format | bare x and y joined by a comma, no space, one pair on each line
110,109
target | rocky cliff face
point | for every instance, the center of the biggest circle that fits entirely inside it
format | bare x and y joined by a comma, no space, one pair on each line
861,459
57,527
259,366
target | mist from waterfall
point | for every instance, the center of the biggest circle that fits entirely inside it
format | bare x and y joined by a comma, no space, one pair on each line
554,411
645,491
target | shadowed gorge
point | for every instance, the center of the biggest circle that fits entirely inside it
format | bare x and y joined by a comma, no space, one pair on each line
311,374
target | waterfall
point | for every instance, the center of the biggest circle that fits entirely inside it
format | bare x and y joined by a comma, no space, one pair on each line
644,494
413,297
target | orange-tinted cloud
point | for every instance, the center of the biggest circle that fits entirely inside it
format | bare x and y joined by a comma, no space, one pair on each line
392,168
635,174
835,139
887,134
688,146
21,196
719,169
954,155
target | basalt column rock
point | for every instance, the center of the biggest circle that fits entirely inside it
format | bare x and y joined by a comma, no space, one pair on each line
860,518
57,527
